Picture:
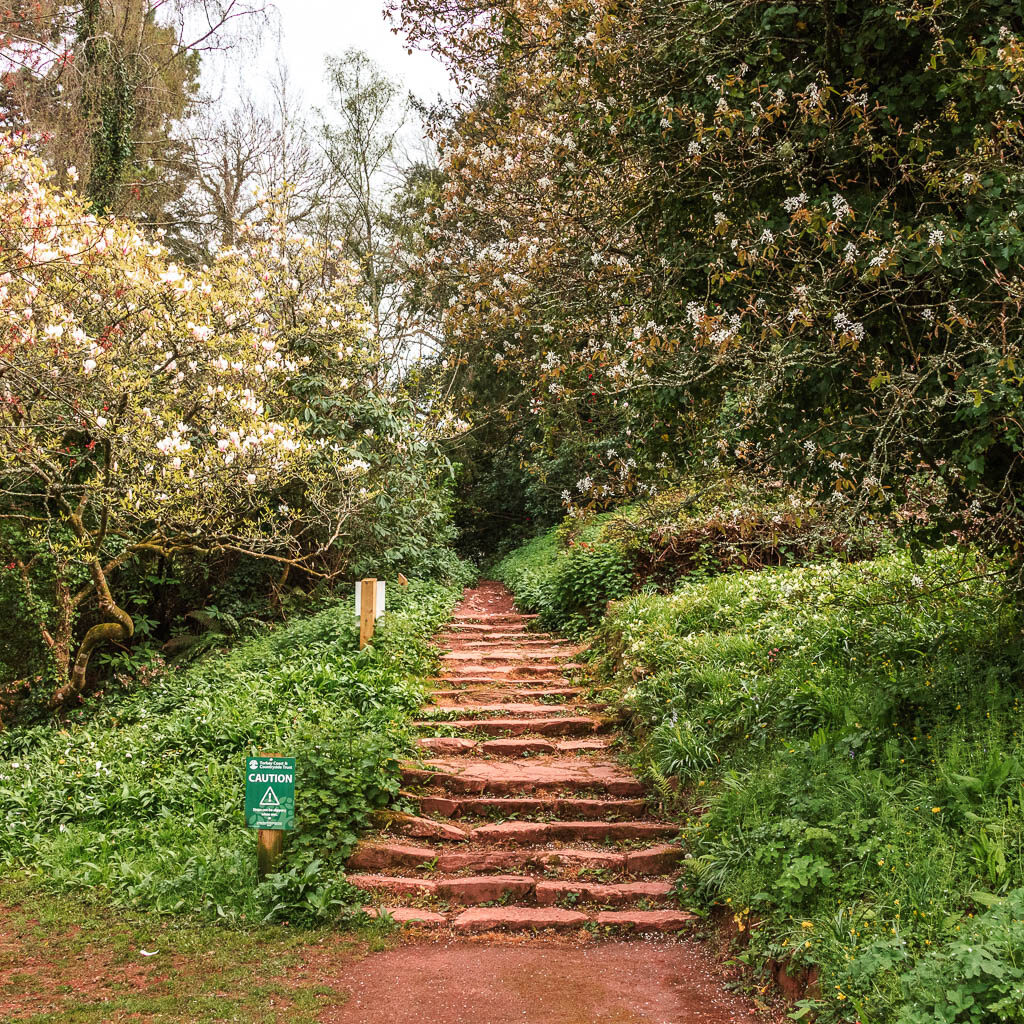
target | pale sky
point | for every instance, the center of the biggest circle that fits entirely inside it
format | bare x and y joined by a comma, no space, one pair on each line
314,29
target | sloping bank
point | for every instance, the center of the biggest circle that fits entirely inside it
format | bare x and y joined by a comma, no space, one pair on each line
842,743
138,801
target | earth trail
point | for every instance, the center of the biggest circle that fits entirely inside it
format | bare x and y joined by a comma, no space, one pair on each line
527,823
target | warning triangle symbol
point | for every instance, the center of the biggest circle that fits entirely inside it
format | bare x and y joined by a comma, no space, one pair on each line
270,798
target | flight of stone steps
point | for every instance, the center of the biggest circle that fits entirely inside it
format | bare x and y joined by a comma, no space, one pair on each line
525,820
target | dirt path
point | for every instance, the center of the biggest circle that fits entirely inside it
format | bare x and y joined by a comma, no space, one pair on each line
539,983
527,824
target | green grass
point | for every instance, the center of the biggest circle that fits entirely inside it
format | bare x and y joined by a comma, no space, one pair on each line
842,742
67,962
137,801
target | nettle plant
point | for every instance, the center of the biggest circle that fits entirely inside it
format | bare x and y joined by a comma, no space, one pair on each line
762,233
145,410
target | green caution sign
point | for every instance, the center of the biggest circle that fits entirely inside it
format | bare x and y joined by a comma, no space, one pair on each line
270,792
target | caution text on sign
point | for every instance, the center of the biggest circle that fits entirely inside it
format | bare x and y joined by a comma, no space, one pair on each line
270,792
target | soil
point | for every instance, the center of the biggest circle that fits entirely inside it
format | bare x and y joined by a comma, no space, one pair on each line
536,982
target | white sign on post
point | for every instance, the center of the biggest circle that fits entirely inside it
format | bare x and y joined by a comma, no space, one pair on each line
379,610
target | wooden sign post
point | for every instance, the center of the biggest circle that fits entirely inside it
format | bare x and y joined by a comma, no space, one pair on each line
269,806
367,611
269,847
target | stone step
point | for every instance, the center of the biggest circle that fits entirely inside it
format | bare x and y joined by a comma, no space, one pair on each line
487,919
466,628
491,617
476,889
378,856
521,709
472,641
513,777
547,892
459,745
510,654
514,918
533,832
467,679
572,725
499,668
646,921
471,694
561,807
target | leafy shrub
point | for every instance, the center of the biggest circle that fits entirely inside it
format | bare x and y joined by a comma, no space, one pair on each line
976,978
138,798
720,524
848,738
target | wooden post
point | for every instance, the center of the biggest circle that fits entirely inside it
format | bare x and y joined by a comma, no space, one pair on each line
269,845
367,611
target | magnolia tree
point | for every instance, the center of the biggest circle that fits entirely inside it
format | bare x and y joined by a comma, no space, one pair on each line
784,235
146,409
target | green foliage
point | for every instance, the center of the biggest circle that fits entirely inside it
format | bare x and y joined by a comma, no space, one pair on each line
721,523
569,586
978,977
849,739
138,798
810,263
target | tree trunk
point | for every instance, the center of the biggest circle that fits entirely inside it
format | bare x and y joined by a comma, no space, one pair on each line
121,627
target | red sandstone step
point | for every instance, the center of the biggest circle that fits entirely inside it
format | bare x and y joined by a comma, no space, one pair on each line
468,628
419,828
518,747
483,641
502,617
570,725
508,683
521,709
522,832
454,807
447,744
656,860
510,777
646,920
484,888
468,694
409,915
509,654
458,670
369,856
379,857
477,889
394,884
462,746
582,746
486,919
548,892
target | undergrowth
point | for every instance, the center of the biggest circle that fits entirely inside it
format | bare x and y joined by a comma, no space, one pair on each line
842,742
718,524
848,740
136,800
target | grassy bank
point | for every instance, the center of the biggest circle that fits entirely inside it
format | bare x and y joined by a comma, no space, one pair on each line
843,743
137,801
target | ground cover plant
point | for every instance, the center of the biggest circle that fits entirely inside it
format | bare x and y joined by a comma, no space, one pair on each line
843,743
136,799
